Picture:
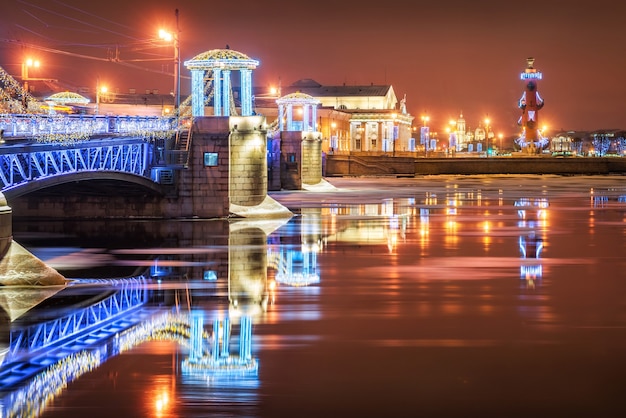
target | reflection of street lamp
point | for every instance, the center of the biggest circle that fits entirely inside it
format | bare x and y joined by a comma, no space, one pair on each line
25,66
169,37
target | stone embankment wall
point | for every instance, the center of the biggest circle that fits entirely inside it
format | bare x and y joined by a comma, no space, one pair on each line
347,165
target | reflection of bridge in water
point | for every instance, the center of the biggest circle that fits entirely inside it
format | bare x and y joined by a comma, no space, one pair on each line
42,358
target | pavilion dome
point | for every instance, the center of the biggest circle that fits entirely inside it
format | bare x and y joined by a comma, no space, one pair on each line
222,58
67,97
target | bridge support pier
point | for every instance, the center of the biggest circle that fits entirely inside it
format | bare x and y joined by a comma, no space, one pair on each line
300,159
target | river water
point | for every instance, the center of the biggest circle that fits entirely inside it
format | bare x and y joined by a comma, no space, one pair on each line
437,296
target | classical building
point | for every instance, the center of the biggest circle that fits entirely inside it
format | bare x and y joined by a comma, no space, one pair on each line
367,119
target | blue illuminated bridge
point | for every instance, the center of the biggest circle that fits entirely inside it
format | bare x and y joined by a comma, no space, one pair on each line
40,151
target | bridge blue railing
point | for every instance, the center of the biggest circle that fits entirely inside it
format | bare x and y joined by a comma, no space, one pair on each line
33,126
25,164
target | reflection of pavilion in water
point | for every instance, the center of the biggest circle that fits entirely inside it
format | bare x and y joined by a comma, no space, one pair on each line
295,262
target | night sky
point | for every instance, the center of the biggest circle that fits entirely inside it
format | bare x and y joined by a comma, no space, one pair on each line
447,56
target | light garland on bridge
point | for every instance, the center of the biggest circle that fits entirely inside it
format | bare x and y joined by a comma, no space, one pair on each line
30,400
68,130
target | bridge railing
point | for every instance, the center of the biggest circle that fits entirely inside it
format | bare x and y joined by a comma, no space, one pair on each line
25,164
32,126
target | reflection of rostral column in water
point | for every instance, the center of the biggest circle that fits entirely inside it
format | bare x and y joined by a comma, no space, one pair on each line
532,213
531,139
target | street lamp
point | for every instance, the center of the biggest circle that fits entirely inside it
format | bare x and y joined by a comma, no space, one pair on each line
424,136
169,37
333,137
29,63
500,138
100,91
452,141
394,133
487,121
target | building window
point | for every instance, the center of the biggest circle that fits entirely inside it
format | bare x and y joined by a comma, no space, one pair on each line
210,159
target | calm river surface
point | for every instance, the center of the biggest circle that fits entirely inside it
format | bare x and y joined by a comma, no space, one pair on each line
499,296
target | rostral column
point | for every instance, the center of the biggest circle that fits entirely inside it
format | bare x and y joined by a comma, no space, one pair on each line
531,102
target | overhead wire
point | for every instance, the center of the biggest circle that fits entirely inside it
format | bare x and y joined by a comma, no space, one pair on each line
133,44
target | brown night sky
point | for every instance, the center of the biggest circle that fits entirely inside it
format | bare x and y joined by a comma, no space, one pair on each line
447,56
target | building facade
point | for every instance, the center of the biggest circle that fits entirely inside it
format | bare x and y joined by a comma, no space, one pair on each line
360,119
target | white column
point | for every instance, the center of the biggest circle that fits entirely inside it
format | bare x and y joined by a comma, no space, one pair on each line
281,115
246,92
217,92
314,112
226,93
306,109
289,117
197,93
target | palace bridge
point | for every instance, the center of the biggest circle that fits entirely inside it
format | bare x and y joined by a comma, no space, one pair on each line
46,150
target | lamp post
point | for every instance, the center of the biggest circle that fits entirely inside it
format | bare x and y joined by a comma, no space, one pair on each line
394,133
99,91
169,37
424,136
487,122
29,63
500,147
452,141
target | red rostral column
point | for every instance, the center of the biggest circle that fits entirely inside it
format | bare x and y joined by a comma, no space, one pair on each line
530,103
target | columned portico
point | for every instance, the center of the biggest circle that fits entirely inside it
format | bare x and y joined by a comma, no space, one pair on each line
220,63
300,142
306,106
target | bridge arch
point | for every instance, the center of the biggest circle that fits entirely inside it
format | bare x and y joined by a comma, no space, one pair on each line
85,178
